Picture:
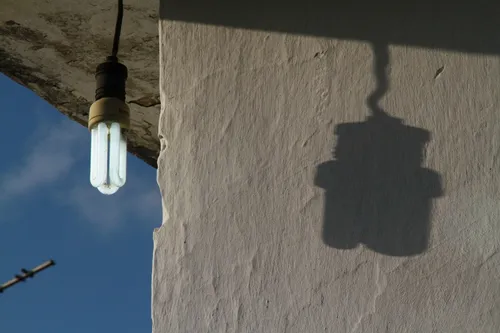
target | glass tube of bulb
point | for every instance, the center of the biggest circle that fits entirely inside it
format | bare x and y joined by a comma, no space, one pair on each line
108,157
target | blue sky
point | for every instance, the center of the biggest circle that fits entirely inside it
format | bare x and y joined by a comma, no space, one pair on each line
102,244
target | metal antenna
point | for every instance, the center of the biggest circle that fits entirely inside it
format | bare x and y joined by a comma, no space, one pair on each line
26,275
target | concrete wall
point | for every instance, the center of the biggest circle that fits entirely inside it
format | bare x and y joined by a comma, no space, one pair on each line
322,184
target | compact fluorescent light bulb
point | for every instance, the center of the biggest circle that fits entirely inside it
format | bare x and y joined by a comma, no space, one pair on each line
108,157
109,118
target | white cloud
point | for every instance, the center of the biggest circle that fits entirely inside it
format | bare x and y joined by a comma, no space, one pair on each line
55,152
52,154
133,202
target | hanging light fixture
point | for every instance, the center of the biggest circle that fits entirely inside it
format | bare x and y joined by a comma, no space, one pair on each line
109,119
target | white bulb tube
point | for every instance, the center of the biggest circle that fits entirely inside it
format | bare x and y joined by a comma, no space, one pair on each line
107,138
93,157
123,158
98,155
117,161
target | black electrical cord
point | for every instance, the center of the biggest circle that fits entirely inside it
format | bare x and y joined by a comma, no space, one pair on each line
118,29
111,74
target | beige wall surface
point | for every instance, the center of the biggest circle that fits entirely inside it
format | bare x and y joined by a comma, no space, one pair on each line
322,184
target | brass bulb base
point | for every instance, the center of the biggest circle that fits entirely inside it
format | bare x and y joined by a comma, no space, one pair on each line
109,109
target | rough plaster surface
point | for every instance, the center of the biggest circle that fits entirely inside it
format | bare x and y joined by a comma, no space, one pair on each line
53,46
265,230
